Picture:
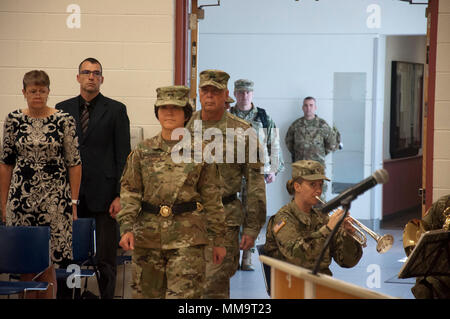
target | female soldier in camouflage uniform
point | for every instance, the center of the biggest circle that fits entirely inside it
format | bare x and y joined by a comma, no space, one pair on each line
169,209
297,232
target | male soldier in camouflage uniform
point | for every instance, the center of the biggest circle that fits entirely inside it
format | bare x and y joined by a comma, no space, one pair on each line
213,94
310,137
170,210
435,287
268,136
298,232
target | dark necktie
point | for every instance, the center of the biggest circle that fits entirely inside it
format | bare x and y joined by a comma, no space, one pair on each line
85,117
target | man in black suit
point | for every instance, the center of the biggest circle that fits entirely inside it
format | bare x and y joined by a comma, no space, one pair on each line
104,137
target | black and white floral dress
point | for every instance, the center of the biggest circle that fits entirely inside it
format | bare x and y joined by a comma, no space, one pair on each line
41,151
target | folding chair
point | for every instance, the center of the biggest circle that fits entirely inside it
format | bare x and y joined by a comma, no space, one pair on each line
24,250
265,269
84,251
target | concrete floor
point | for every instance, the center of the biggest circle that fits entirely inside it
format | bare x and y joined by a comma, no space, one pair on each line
250,285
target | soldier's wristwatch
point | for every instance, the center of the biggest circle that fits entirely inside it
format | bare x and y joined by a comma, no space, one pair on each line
75,201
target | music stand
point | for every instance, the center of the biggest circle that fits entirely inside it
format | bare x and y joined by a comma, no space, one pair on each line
430,257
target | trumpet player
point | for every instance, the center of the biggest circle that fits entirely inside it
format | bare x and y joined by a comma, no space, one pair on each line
298,231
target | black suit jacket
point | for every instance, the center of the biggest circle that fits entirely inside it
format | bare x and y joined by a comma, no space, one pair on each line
104,149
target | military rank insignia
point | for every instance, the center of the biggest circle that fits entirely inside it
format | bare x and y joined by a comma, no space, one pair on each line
278,226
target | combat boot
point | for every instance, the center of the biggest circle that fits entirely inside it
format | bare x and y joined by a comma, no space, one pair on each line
247,261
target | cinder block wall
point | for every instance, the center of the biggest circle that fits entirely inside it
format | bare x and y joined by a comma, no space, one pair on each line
441,161
134,41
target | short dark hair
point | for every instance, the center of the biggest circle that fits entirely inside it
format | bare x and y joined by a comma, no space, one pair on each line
188,110
309,98
91,60
36,77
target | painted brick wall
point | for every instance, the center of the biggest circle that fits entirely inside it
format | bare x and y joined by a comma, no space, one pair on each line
441,162
134,41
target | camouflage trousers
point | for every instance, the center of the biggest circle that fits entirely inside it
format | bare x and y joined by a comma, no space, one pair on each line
170,274
434,287
217,284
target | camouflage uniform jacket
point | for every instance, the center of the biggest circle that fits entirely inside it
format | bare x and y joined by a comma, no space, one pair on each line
438,286
434,218
269,137
232,174
152,176
311,139
296,237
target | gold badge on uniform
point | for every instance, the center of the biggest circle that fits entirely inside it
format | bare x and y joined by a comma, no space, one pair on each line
165,211
278,226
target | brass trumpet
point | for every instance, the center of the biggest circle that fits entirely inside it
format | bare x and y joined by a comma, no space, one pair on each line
384,243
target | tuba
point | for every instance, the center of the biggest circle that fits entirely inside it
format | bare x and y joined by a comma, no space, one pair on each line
415,228
446,225
411,234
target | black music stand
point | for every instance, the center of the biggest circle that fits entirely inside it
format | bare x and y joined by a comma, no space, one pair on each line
430,257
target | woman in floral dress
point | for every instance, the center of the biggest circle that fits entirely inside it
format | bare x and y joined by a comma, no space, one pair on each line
40,167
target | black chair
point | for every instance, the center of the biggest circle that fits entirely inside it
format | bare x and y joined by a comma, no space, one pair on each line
84,251
265,269
24,250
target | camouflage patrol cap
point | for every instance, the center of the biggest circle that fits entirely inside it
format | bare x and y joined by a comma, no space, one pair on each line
229,100
216,78
243,85
309,170
172,95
